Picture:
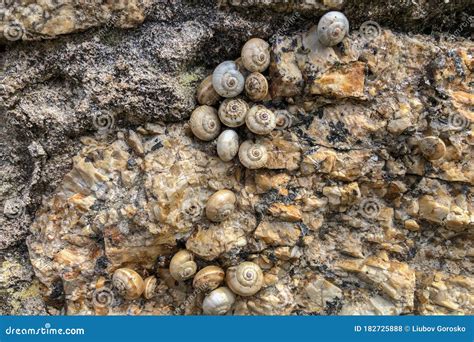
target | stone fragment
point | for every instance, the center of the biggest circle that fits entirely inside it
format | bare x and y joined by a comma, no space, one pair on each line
278,233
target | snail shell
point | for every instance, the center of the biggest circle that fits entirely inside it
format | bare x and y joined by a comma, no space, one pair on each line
253,156
227,80
220,205
205,123
233,112
256,86
227,145
218,302
128,283
205,94
260,120
209,278
246,279
182,265
332,28
150,287
432,148
256,55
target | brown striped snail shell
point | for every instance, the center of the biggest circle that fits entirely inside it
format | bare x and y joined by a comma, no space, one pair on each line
256,86
246,279
209,278
332,28
150,287
205,93
220,205
218,302
227,80
233,112
253,155
432,148
227,145
182,265
260,120
128,283
256,55
204,123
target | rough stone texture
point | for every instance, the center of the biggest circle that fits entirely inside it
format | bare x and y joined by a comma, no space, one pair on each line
347,217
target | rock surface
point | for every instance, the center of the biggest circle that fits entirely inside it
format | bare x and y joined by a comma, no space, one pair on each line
100,169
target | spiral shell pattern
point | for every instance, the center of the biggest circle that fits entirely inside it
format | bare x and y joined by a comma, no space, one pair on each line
128,283
220,205
218,302
256,55
227,79
260,120
204,123
246,279
256,86
233,112
332,28
209,278
150,287
253,156
182,265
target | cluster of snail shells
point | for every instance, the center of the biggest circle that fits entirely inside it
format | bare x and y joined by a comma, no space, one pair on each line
130,285
228,81
332,28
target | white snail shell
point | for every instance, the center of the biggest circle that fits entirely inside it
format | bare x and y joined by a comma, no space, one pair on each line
182,265
252,155
220,205
128,283
204,123
227,145
260,120
246,279
256,86
332,28
209,278
150,287
218,302
205,93
233,112
227,80
256,55
432,148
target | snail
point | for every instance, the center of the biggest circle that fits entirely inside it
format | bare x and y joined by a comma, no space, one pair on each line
260,120
227,80
205,123
283,119
256,86
227,145
128,283
150,287
205,94
218,302
332,28
256,55
252,155
233,112
432,148
246,279
182,265
220,205
209,278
